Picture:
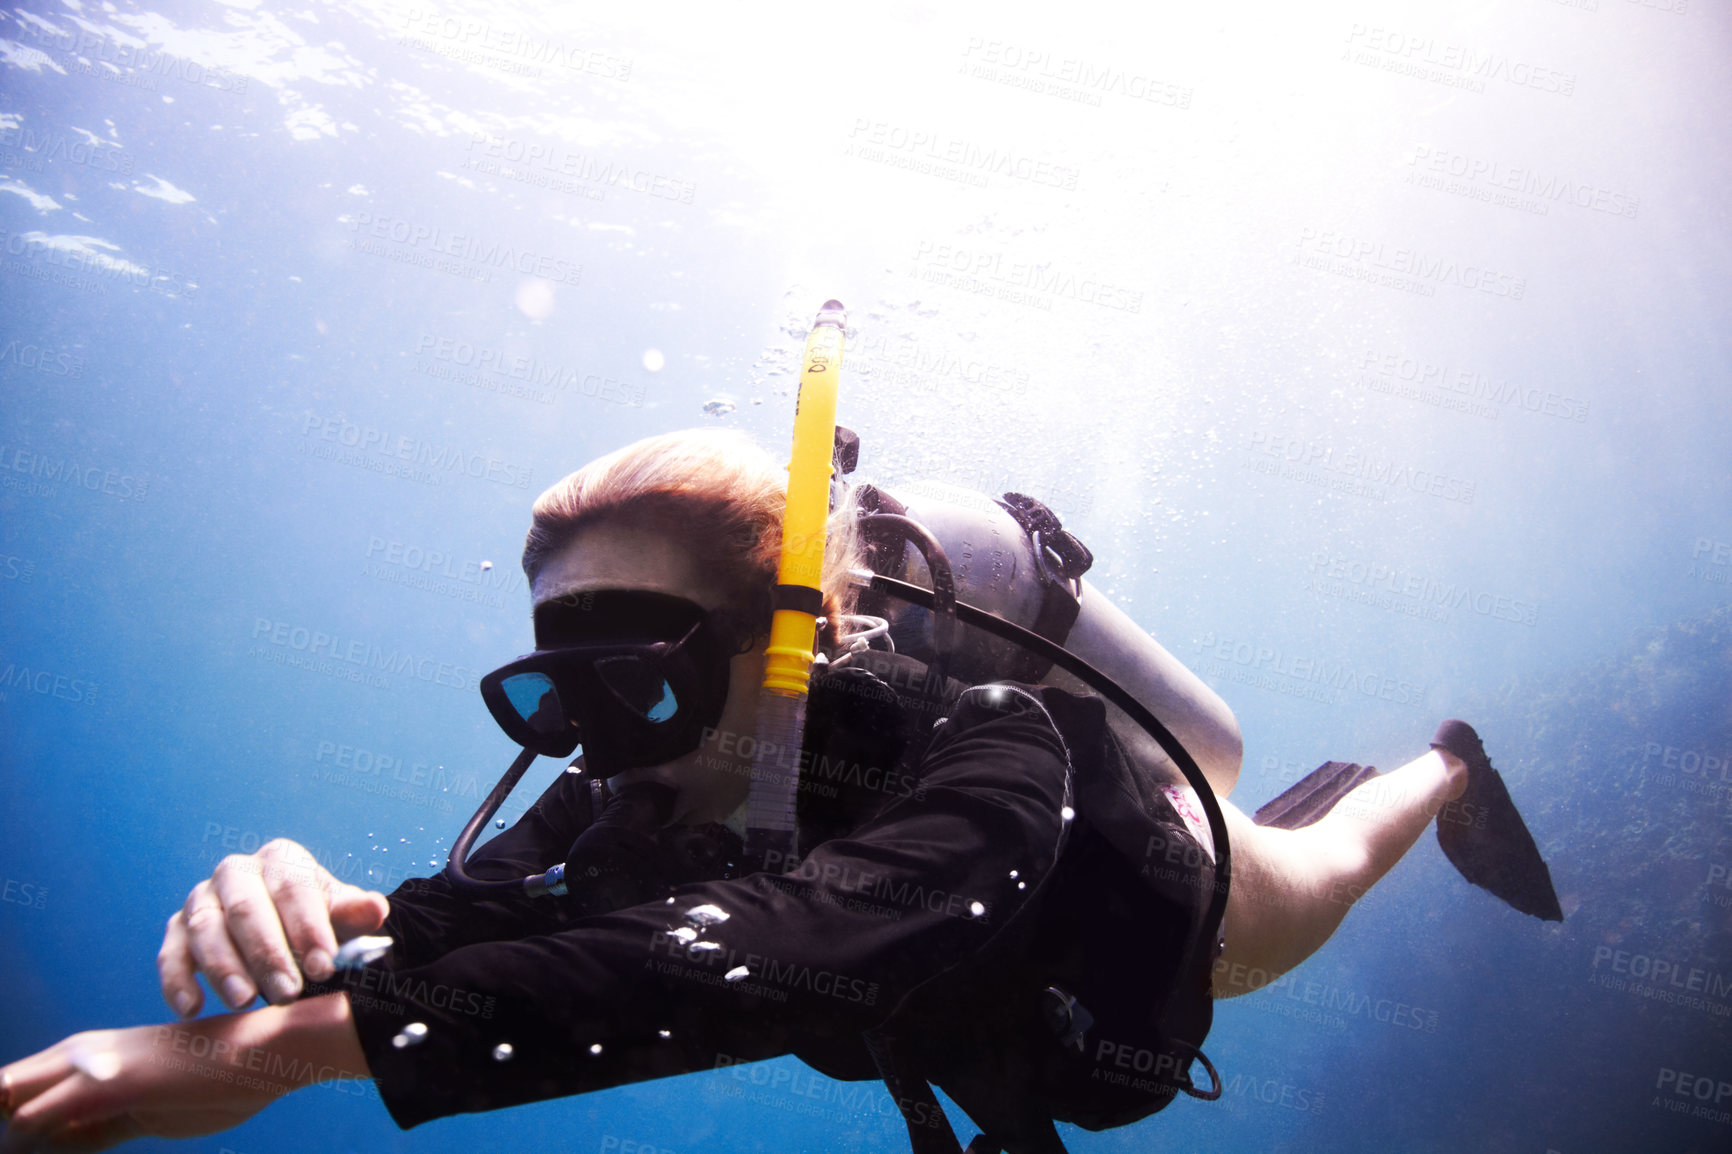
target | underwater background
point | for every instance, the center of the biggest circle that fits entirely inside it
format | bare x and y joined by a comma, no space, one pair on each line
1379,351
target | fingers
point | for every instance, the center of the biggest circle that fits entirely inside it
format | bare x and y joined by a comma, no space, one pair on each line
174,966
213,953
70,1115
257,924
357,911
301,891
43,1090
28,1077
249,914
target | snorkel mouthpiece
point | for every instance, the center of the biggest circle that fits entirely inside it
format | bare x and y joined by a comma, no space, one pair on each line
775,785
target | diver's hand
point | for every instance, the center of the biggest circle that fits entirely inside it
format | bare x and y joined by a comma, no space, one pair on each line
103,1087
246,927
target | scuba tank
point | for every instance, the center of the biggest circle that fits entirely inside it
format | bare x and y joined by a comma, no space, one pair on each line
1014,559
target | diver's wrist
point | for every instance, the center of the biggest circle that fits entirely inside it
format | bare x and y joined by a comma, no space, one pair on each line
299,1044
322,1031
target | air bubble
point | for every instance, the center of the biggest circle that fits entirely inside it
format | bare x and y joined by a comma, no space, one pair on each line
665,1033
706,915
685,934
411,1035
975,909
503,1052
499,823
736,974
1067,813
595,1047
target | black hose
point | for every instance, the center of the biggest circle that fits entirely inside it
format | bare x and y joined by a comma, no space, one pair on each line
456,867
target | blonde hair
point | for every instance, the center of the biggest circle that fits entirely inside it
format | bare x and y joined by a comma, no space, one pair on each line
721,496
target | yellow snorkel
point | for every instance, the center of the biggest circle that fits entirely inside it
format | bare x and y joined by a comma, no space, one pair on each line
799,600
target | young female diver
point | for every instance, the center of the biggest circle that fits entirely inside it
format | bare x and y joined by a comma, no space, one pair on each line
998,903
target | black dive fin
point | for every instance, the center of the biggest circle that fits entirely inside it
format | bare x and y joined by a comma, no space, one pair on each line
1314,795
1485,838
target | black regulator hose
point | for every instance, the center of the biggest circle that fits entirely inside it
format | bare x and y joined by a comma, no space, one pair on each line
456,867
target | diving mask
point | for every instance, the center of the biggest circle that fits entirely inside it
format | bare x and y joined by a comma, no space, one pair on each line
634,677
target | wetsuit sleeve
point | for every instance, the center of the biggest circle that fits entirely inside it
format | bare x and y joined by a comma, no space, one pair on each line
429,917
747,968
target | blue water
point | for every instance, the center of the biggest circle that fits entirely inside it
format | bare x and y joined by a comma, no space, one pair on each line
1378,351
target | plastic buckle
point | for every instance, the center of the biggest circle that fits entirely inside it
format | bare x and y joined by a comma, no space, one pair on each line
1074,558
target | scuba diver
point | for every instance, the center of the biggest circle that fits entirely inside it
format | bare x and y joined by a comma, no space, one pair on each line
943,852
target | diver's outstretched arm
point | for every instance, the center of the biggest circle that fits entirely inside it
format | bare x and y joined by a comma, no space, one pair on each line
1292,887
104,1087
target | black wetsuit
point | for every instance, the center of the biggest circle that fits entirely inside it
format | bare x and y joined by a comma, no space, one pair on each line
952,914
